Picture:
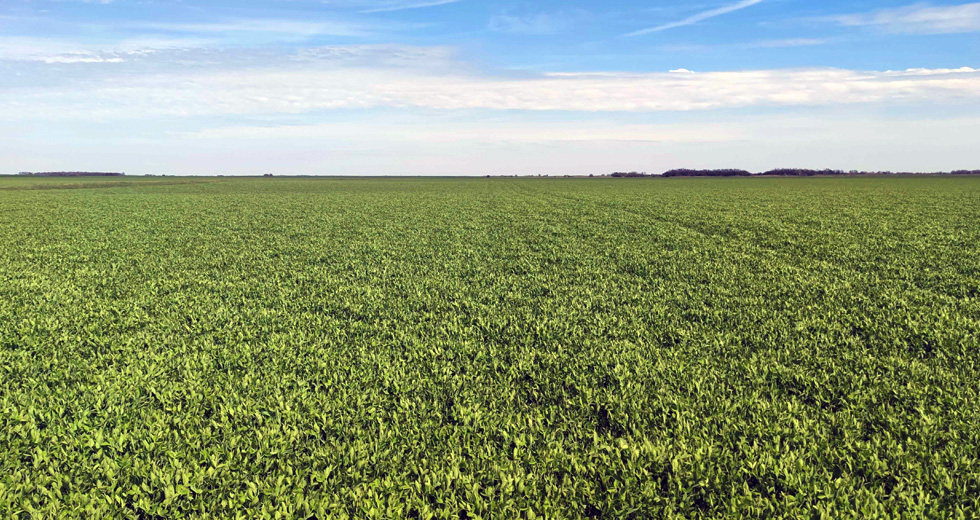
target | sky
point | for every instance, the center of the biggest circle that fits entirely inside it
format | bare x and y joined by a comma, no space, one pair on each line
477,87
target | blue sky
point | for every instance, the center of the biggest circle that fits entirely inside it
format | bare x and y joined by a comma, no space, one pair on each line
472,87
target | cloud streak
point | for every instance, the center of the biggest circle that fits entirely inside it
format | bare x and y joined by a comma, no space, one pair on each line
408,5
917,19
705,15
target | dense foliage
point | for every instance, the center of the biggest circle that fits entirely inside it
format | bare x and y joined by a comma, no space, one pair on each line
803,172
490,348
683,172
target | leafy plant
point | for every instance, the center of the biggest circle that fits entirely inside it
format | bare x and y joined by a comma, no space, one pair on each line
502,348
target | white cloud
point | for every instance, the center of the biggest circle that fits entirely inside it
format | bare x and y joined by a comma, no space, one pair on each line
311,86
80,58
928,72
147,37
48,50
700,17
480,131
918,19
205,83
381,56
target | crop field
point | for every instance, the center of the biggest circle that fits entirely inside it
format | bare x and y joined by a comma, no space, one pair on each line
490,348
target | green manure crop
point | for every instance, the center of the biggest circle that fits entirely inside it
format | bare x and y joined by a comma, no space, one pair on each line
490,348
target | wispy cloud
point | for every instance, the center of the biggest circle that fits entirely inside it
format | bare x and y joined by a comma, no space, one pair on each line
401,6
704,15
454,131
917,19
758,44
787,42
54,50
293,28
360,77
535,24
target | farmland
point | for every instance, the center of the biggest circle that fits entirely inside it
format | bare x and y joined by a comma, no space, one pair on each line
489,348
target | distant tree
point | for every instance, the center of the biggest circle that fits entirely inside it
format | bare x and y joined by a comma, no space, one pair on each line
802,172
706,173
74,174
629,174
789,172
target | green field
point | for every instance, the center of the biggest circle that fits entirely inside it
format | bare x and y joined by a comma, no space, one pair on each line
490,348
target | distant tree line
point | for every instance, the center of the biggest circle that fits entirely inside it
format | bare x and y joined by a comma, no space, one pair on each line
706,173
778,172
803,172
630,174
73,174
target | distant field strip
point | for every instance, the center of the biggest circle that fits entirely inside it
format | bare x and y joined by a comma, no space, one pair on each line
490,348
47,184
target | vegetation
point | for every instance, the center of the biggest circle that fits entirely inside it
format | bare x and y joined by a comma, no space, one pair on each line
780,172
802,172
706,173
490,348
73,174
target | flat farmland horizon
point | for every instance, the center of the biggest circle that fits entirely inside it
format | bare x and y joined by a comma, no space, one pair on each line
197,347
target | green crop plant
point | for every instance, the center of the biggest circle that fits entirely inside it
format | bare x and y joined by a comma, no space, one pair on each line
490,348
